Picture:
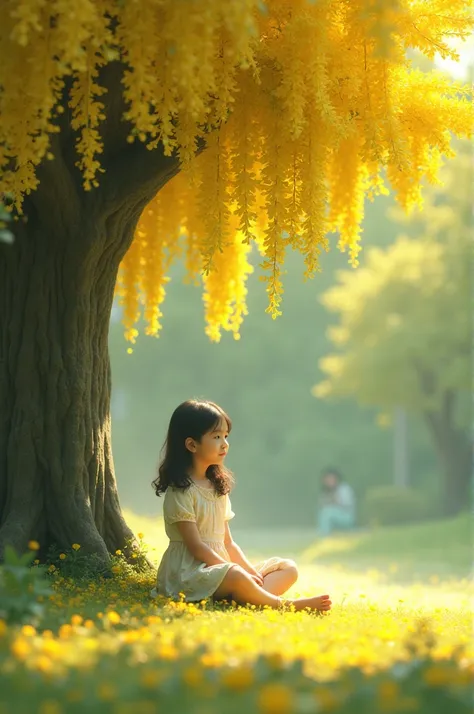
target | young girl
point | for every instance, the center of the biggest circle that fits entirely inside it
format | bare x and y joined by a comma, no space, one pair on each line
202,560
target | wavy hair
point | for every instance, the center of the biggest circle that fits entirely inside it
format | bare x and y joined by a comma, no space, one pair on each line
193,419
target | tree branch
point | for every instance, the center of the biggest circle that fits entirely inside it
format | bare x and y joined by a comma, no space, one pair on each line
114,129
133,175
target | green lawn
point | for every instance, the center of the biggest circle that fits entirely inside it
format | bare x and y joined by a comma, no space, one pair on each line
439,548
407,553
388,646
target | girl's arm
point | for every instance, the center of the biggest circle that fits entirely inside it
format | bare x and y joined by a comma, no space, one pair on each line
236,554
198,549
345,496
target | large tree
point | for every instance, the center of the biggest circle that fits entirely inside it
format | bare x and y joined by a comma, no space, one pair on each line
404,336
133,133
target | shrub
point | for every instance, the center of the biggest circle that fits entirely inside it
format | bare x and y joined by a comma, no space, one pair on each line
22,588
391,505
74,563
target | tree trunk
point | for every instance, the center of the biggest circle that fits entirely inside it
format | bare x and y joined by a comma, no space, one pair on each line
57,280
454,451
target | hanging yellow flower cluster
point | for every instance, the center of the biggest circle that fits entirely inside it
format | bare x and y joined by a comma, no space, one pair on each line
303,105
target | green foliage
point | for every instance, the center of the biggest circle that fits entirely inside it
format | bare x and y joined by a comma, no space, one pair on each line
404,332
75,563
392,505
399,342
22,588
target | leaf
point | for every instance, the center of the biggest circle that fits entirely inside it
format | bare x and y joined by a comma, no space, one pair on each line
11,557
27,558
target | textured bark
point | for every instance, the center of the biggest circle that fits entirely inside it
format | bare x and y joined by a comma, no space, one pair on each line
57,279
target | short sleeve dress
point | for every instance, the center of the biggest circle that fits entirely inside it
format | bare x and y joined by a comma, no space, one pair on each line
179,572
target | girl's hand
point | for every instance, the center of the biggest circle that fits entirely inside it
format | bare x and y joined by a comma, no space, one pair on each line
257,577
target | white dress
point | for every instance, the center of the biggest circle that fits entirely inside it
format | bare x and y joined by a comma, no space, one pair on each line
179,572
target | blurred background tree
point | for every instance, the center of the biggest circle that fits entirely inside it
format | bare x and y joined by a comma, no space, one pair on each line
404,331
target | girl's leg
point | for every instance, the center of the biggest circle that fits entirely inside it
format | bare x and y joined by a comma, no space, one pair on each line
344,520
326,517
333,518
239,586
279,581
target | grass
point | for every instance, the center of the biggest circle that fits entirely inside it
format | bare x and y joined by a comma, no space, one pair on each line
421,550
412,552
387,646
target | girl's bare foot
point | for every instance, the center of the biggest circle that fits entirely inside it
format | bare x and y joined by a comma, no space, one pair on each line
322,603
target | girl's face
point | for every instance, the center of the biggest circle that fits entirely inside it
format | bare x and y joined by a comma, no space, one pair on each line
213,446
331,481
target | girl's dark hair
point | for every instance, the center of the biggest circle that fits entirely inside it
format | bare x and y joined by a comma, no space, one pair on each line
327,471
193,419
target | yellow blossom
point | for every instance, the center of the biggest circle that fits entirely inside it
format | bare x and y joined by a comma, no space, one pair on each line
63,556
167,651
43,663
52,648
28,630
275,699
65,631
33,545
238,678
75,546
118,552
20,648
154,619
113,617
302,106
3,627
91,644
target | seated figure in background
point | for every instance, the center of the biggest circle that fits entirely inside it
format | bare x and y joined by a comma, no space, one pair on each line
336,504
